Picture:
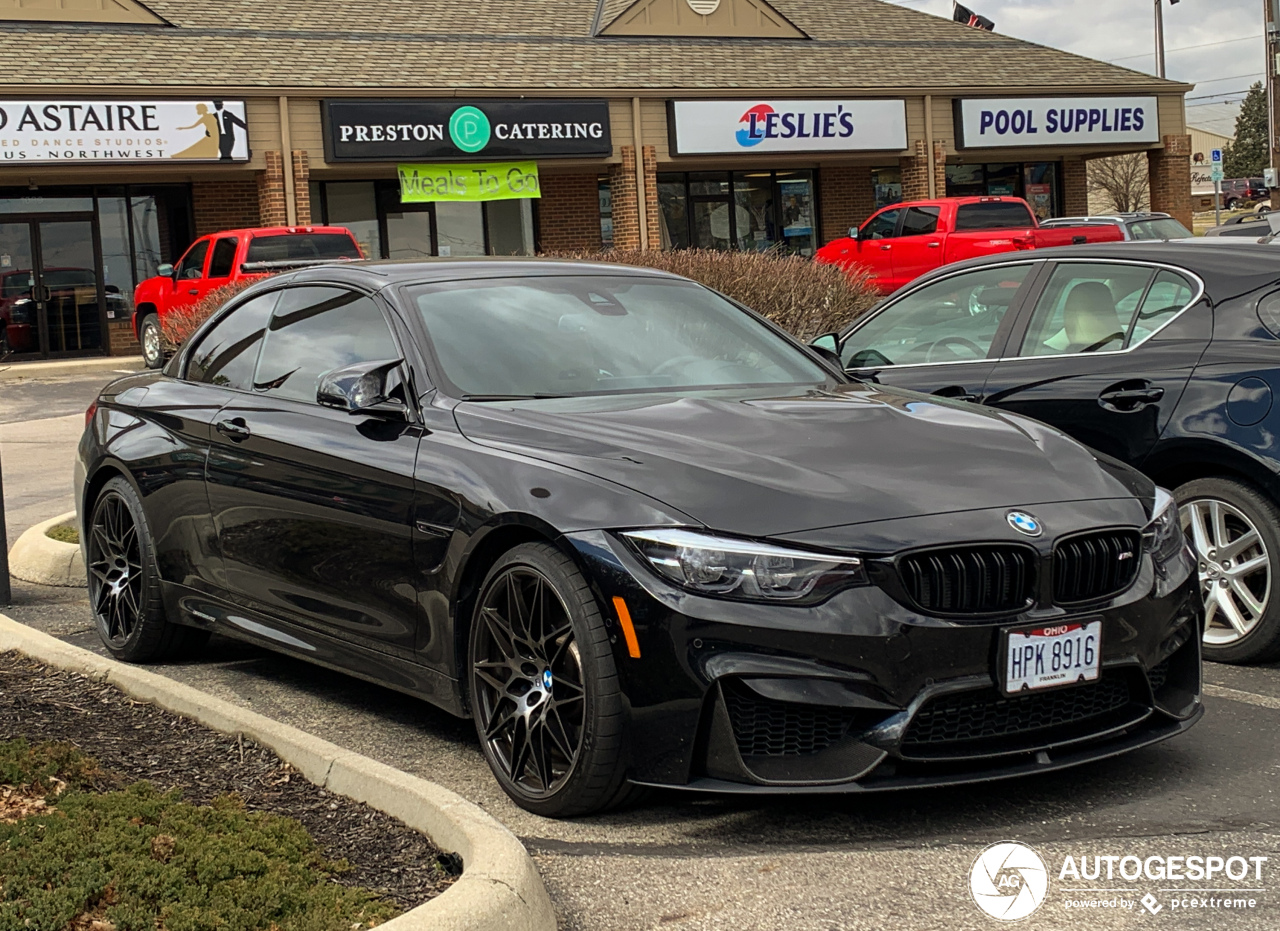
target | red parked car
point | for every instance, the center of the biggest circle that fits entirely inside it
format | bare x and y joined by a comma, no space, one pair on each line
220,258
903,241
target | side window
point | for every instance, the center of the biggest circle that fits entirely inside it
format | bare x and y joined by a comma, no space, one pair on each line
1170,293
1087,307
192,266
228,353
315,330
952,320
997,215
884,226
920,221
223,258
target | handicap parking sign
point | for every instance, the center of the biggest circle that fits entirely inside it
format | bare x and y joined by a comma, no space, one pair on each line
1215,156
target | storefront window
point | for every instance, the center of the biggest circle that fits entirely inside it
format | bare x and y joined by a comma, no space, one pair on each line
460,228
353,204
117,256
752,211
887,184
1037,182
510,226
606,214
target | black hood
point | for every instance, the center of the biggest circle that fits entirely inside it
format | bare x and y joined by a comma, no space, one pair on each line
761,464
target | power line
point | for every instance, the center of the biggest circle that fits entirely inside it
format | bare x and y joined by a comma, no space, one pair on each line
1187,48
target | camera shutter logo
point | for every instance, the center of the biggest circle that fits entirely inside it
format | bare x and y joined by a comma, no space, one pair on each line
1008,881
469,129
704,7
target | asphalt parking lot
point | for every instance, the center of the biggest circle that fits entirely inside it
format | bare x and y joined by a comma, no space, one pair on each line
835,862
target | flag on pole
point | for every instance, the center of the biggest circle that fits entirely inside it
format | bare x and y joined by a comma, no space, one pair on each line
965,15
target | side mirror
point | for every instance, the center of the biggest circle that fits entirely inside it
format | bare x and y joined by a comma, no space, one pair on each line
363,388
828,346
853,232
165,270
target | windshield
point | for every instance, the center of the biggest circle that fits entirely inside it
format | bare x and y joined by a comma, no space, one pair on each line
1165,228
558,336
289,246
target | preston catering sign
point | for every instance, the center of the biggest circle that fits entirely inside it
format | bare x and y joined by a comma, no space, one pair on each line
404,130
84,131
1053,121
739,127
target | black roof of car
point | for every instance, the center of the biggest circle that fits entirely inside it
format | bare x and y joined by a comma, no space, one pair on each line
380,273
1227,269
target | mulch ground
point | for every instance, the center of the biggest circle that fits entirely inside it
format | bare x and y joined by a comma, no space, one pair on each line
141,742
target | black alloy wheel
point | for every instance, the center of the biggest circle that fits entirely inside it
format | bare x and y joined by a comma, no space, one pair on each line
544,686
124,582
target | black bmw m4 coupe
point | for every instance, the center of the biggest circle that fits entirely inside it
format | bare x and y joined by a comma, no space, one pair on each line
638,533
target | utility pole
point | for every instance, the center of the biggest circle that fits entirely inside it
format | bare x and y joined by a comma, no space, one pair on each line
1271,15
1160,36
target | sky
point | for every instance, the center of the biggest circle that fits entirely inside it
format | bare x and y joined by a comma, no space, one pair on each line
1198,38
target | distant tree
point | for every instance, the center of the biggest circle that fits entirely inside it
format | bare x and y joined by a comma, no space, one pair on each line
1247,156
1121,182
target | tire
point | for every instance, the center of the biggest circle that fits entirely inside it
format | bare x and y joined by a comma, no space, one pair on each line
1235,534
1231,204
152,343
124,582
544,686
1263,210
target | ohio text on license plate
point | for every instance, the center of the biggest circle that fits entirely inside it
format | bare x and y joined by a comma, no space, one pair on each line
1060,654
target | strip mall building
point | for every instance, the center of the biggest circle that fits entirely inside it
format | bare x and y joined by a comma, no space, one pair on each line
443,127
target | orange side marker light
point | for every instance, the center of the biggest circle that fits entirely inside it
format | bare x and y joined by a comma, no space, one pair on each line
628,629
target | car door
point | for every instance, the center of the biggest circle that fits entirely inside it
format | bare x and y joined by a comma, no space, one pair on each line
189,275
918,247
222,259
314,507
941,337
1095,355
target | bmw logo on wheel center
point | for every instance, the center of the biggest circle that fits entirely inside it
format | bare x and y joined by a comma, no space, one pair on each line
1024,523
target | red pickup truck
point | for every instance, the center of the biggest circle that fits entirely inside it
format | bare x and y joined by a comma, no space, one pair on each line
220,258
903,241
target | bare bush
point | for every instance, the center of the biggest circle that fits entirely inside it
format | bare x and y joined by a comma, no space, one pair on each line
177,325
800,295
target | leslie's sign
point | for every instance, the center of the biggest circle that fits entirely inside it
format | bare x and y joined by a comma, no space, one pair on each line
85,131
1054,121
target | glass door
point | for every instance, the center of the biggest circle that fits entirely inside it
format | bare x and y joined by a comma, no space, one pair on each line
49,295
19,313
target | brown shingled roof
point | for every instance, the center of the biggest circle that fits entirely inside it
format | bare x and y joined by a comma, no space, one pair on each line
479,45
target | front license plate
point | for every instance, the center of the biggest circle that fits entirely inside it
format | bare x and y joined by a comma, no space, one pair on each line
1043,657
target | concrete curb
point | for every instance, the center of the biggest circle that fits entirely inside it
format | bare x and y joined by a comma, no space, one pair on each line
500,889
62,368
35,557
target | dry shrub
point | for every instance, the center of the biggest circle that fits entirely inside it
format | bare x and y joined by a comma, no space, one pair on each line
177,325
800,295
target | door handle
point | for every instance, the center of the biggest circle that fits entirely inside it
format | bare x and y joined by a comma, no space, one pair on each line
935,245
193,291
955,393
885,248
235,430
1127,397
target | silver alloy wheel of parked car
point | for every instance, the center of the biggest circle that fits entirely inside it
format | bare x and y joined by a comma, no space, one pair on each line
152,348
1234,566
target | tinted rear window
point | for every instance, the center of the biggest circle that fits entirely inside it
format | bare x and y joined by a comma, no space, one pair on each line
288,246
993,216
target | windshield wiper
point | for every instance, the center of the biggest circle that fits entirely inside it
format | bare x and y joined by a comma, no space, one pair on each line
510,397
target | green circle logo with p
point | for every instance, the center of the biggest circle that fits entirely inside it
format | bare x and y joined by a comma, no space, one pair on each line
469,129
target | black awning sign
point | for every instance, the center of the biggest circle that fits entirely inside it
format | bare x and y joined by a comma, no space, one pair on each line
402,130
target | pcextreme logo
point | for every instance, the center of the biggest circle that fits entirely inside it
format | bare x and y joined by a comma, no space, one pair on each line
1008,881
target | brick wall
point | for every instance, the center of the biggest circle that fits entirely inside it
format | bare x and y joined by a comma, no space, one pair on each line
302,185
569,213
120,339
1170,172
222,205
626,207
271,203
846,198
1075,187
915,171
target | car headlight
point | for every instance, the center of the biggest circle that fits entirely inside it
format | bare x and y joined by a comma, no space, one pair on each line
1163,534
744,570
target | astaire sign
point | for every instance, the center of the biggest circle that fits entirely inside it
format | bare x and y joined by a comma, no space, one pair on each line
741,127
419,130
84,131
1053,121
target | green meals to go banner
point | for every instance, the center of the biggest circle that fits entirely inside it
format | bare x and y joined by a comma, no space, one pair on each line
471,182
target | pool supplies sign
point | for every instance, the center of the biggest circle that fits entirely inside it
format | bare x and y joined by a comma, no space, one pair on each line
1055,121
742,127
420,184
97,131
